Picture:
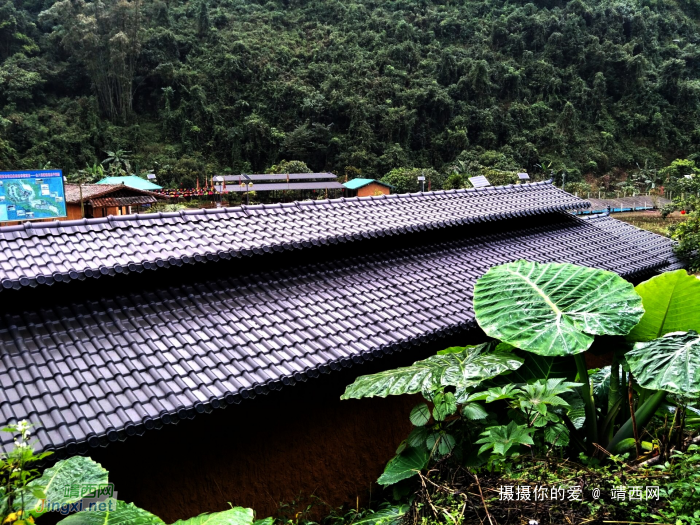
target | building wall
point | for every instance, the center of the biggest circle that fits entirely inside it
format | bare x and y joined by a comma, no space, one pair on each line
73,212
370,189
273,449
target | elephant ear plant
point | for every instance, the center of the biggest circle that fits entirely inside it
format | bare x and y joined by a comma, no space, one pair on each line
529,389
28,495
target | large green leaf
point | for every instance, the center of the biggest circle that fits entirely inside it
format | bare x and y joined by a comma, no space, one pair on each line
122,514
57,481
670,363
384,516
600,381
405,465
554,309
542,367
462,369
234,516
671,304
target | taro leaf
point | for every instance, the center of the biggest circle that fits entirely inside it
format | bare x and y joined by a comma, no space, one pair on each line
404,466
577,409
600,381
234,516
474,411
459,369
420,415
124,514
266,521
543,367
671,304
445,405
78,470
670,363
554,309
385,516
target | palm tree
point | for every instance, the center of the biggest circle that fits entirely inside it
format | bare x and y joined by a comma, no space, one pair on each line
118,160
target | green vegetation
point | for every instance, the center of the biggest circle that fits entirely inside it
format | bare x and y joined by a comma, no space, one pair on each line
527,397
26,494
687,201
586,87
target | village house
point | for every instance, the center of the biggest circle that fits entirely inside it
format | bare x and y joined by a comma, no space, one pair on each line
125,337
101,200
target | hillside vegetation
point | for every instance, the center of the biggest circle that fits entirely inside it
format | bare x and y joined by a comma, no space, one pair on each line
593,87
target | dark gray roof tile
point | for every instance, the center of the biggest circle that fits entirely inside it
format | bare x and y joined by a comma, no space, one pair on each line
96,371
69,250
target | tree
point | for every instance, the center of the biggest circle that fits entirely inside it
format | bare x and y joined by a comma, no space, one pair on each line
86,176
105,37
118,161
687,201
289,166
405,180
675,173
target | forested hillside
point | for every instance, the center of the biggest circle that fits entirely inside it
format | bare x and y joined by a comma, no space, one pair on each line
208,85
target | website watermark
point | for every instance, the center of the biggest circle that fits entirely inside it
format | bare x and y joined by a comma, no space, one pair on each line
574,493
92,497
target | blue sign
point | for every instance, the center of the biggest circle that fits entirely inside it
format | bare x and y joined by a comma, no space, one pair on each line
28,195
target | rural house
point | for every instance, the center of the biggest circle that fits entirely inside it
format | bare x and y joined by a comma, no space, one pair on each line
366,188
101,200
125,337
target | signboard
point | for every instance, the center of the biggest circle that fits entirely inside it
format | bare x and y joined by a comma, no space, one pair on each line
28,195
421,178
479,182
523,176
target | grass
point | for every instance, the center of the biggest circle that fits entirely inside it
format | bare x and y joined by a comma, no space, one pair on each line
650,220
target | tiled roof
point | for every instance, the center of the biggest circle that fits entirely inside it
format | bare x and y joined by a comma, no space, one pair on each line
89,191
644,239
131,200
277,176
94,191
93,364
66,250
282,186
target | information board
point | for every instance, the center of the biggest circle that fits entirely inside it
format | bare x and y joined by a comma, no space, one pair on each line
479,182
29,195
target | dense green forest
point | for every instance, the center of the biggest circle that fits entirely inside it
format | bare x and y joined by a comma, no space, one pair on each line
593,87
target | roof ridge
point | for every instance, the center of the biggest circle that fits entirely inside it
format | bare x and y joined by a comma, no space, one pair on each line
120,244
204,211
